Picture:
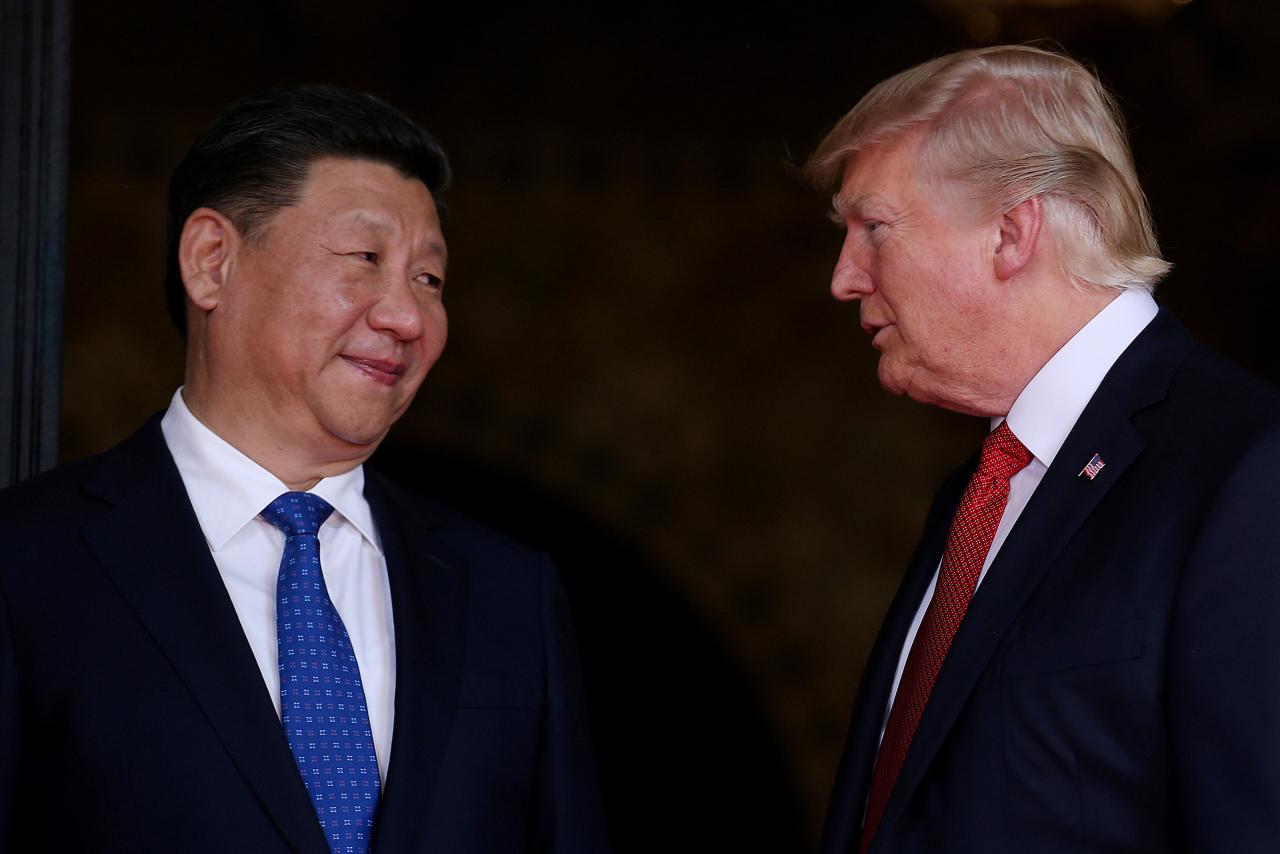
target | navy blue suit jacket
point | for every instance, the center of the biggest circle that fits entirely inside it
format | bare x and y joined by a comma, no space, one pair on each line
133,716
1115,684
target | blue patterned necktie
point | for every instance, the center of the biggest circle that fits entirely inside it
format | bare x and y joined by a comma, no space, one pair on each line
321,699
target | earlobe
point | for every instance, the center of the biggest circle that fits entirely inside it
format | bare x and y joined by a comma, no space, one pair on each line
204,253
1020,228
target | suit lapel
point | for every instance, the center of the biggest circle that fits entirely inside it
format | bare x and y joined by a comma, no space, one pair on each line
428,601
1060,506
151,546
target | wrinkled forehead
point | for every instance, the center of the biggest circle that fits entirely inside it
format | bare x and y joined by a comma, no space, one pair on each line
372,198
891,169
888,179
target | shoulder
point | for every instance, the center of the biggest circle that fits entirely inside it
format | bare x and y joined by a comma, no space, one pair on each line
512,592
65,497
1188,399
1211,446
424,517
51,499
39,523
1216,409
1212,378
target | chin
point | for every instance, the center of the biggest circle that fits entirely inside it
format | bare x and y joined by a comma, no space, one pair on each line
888,382
365,443
364,434
356,419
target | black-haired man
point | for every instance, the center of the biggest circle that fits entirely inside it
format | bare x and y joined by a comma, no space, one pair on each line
167,606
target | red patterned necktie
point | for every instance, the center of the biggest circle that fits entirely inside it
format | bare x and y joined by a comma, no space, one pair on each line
972,530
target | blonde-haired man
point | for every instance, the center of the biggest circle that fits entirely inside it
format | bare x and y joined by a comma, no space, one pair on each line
1081,656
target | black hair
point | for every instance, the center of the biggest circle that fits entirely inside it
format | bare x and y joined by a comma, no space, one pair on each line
254,158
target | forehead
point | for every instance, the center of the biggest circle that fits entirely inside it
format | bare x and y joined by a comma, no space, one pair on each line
368,195
889,172
894,181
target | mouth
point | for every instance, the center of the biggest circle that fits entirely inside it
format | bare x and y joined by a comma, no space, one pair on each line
383,371
876,331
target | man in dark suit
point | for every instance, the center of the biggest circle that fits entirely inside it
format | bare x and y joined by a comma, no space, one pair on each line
1082,656
232,567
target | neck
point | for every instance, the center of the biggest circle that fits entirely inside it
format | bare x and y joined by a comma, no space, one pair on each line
1041,326
295,464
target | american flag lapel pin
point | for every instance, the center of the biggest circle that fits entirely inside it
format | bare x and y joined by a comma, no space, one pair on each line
1092,467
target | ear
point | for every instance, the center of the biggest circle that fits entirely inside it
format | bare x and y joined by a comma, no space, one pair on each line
205,249
1020,228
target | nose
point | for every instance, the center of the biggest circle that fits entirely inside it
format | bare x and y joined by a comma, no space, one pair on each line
851,279
397,309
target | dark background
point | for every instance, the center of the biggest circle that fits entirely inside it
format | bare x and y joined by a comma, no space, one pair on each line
646,374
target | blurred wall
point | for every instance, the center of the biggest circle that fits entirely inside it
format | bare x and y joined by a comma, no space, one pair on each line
646,374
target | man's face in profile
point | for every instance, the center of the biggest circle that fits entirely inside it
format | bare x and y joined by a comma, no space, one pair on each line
331,317
917,259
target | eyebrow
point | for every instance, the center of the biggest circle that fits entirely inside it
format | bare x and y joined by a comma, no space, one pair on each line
362,217
843,203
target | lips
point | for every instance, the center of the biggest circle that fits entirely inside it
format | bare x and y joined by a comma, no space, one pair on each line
875,330
384,371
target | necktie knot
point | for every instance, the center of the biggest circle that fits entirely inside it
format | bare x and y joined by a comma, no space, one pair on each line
1003,455
297,513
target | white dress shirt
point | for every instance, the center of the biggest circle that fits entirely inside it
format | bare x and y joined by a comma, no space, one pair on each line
228,491
1044,414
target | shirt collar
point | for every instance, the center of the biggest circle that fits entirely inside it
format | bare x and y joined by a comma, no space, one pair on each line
1050,405
227,489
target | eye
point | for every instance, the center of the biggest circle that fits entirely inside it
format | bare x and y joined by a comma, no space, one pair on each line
371,257
875,231
431,280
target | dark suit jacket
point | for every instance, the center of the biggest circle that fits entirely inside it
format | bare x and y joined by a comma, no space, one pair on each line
133,716
1115,684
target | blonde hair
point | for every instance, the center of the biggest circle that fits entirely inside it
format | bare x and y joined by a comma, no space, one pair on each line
1014,122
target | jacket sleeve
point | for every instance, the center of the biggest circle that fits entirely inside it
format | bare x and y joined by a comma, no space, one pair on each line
1223,673
567,815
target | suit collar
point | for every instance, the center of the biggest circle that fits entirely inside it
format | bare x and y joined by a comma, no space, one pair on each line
1061,504
150,544
429,605
1045,412
227,489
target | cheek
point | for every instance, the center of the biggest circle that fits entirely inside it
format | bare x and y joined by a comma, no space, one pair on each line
334,308
436,321
339,302
435,332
